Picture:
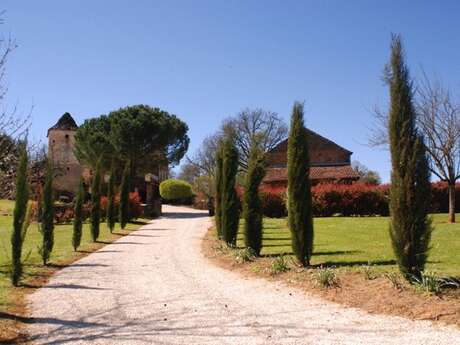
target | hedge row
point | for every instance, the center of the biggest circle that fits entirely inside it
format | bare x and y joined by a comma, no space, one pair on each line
64,213
351,200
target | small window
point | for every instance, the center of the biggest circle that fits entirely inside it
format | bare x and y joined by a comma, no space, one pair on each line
67,136
68,168
54,141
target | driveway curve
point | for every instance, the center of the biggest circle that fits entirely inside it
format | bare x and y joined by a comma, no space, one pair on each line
155,287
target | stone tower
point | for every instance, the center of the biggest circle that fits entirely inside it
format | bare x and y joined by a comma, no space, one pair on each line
61,143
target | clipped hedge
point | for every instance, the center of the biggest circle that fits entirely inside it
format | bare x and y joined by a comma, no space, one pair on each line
351,200
173,189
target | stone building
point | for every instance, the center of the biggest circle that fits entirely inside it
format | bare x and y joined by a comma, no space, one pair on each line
329,163
61,143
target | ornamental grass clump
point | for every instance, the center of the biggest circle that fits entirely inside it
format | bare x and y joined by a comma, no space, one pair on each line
279,265
244,255
326,277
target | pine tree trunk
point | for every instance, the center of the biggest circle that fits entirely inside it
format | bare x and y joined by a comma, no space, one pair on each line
451,188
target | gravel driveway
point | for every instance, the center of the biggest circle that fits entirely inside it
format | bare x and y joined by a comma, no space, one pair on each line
154,287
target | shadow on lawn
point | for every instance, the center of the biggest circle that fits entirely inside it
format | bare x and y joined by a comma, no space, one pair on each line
354,263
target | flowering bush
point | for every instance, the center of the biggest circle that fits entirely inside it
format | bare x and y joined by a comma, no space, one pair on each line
331,199
135,208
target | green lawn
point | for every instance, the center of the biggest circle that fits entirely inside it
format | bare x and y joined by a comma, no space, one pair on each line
33,268
355,241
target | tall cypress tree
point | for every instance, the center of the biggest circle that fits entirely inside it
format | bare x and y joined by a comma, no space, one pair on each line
47,214
230,202
19,217
252,206
410,227
78,216
96,203
218,184
111,200
299,189
124,196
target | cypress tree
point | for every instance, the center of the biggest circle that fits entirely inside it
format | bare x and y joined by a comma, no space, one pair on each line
299,189
230,202
218,184
252,212
96,203
47,214
124,196
410,227
19,217
78,216
111,200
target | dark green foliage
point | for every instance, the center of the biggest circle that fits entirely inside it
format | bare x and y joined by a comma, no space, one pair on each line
173,189
47,215
96,203
139,133
78,216
299,190
410,227
252,205
111,217
93,143
19,217
124,196
230,202
218,196
144,135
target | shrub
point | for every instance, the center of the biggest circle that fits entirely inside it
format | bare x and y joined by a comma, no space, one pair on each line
134,202
244,255
175,189
274,204
326,277
279,265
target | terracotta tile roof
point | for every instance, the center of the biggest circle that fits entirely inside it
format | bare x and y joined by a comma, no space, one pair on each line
316,173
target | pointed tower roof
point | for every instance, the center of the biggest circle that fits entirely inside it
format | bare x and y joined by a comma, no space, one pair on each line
66,122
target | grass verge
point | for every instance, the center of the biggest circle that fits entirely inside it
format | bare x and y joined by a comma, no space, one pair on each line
356,254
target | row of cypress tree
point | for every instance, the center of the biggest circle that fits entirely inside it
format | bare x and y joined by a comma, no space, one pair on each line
45,211
95,214
299,204
410,226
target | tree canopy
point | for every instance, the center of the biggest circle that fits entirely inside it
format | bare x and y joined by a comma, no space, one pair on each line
144,135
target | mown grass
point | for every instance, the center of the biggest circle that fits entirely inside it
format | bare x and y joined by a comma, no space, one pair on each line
62,252
352,242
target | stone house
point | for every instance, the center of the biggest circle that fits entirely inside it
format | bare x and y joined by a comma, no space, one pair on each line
329,163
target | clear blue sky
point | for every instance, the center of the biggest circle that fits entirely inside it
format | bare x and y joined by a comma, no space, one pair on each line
206,60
